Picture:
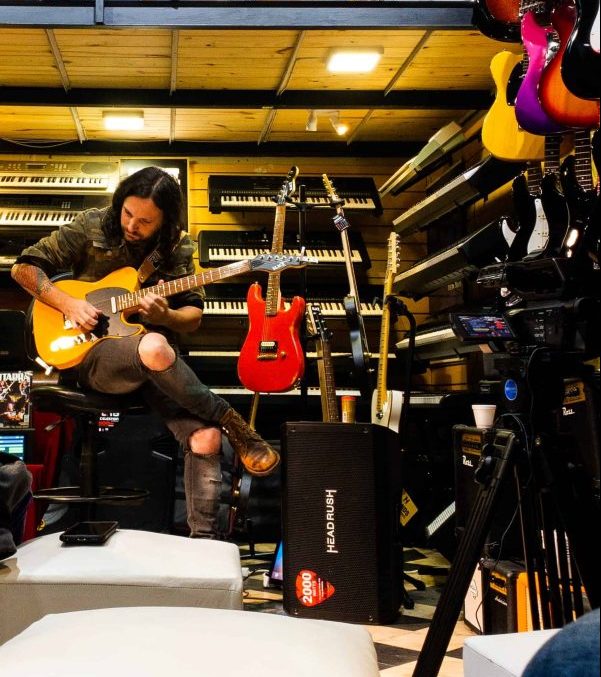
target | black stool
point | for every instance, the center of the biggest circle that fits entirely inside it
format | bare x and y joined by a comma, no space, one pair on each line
86,407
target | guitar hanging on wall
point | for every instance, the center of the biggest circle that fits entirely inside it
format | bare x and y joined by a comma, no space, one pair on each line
352,302
271,358
581,61
540,45
316,327
501,134
558,101
386,404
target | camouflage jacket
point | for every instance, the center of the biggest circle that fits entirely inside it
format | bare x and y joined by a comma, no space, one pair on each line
81,247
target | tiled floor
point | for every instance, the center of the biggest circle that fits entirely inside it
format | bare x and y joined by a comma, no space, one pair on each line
397,645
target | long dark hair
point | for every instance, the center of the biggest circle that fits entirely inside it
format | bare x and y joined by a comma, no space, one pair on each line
163,189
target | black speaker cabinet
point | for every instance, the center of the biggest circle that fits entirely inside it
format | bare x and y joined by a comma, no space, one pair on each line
341,494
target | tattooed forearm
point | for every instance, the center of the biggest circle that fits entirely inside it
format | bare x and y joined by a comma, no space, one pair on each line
32,279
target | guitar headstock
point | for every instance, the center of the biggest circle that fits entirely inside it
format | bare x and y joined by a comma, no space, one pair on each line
394,254
316,323
289,186
274,263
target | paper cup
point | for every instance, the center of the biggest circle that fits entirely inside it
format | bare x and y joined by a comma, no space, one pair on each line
484,415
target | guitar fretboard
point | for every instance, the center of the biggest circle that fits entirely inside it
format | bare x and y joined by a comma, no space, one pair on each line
182,284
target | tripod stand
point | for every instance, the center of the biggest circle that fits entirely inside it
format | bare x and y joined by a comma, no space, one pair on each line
558,495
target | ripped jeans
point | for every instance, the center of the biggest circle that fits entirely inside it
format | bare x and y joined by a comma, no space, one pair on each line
183,402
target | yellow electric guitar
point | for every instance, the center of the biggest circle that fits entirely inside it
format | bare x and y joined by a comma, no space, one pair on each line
501,134
118,296
386,404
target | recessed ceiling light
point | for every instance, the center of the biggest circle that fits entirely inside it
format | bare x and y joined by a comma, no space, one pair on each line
354,60
123,121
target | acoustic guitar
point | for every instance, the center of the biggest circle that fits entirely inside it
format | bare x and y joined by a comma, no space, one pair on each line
386,404
352,302
271,358
118,296
502,136
316,328
558,101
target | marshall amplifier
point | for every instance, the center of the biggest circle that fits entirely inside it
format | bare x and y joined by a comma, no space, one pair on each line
341,498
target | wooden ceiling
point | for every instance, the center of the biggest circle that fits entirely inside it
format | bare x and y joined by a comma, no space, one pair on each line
216,87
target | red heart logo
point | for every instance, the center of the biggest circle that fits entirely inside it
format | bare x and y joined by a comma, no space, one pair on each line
311,589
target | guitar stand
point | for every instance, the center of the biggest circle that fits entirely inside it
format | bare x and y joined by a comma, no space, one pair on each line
398,308
303,207
555,499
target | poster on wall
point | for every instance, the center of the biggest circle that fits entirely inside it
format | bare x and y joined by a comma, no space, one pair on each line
15,387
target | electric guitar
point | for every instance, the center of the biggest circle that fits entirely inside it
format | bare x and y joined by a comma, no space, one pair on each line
558,101
528,209
501,134
352,302
498,19
271,358
316,327
581,61
547,242
540,45
386,404
118,296
576,178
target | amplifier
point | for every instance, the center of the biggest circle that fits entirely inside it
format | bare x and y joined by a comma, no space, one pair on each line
341,501
497,599
501,540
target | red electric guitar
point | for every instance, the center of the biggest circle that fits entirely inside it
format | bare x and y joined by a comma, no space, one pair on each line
271,359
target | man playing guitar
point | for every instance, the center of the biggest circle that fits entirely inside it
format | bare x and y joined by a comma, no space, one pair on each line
144,220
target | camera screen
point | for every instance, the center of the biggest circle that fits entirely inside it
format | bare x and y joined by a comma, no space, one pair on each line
482,327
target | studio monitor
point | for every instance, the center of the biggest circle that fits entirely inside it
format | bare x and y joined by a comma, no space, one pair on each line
341,497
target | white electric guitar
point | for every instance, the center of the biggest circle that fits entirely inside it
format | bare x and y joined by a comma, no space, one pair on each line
386,404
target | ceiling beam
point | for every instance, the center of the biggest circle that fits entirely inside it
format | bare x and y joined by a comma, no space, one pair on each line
243,14
190,149
430,99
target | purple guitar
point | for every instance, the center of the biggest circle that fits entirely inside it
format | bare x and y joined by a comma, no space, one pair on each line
540,46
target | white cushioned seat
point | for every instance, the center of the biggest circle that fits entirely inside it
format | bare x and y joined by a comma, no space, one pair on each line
133,568
502,655
159,641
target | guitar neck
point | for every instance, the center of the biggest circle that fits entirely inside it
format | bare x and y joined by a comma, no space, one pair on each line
272,298
552,145
534,177
582,159
182,284
384,341
329,404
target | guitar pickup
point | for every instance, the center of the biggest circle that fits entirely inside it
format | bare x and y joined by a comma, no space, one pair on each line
268,350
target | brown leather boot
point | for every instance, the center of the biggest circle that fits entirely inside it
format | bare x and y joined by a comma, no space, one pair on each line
258,457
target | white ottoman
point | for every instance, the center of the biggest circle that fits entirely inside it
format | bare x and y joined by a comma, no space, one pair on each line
502,655
159,641
134,568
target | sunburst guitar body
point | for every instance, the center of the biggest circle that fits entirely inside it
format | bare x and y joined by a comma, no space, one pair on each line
558,101
501,134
